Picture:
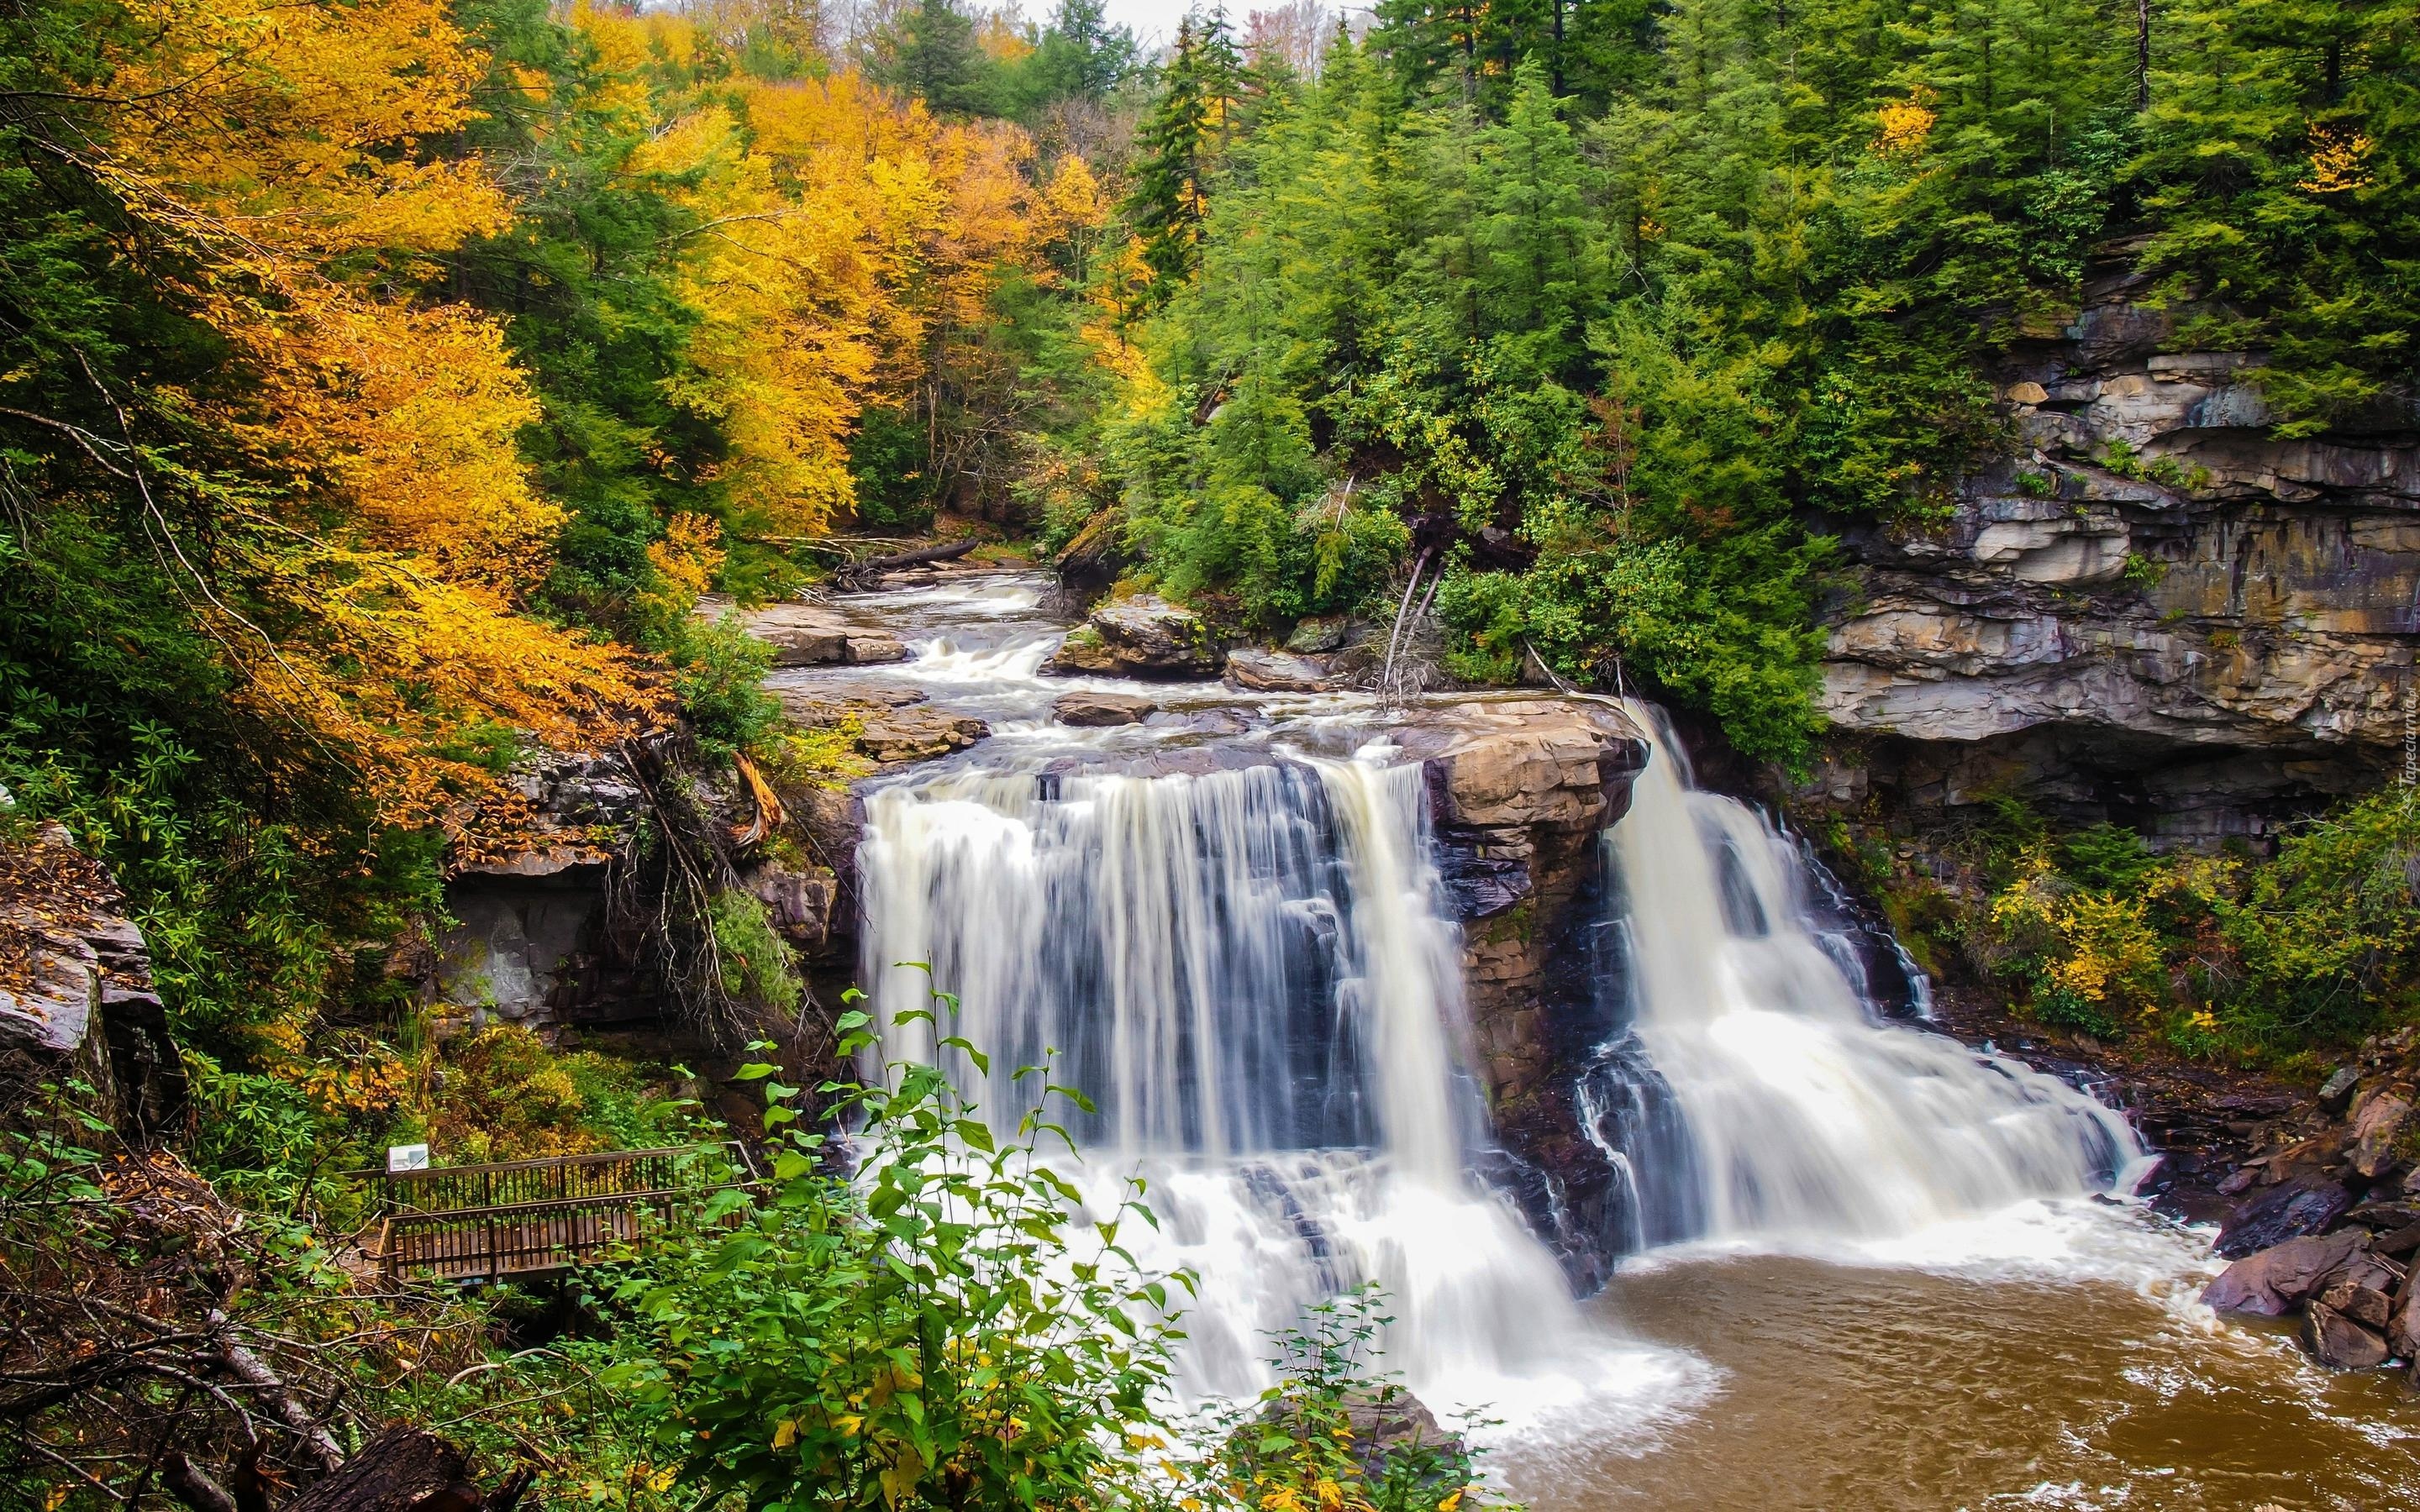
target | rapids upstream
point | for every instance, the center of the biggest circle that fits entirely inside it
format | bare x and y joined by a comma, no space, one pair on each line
1866,1265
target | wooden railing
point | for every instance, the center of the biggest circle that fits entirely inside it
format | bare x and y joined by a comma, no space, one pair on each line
602,1173
463,1223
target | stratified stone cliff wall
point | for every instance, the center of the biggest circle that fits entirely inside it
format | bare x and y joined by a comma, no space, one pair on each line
75,981
2156,611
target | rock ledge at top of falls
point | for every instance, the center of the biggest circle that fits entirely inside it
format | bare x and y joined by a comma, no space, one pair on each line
1141,636
1560,763
808,635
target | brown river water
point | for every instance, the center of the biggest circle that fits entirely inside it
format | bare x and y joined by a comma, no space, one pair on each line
1884,1387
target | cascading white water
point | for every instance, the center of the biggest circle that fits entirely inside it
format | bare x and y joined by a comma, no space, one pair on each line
1249,971
1806,1116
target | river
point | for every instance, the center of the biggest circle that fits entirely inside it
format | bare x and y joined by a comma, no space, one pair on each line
1870,1268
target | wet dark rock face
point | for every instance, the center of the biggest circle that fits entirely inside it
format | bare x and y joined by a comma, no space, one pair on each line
2300,1205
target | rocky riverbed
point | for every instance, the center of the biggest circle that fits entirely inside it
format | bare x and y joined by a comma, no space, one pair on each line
2326,1215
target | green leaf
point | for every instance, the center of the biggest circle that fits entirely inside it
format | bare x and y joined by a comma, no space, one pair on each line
975,1133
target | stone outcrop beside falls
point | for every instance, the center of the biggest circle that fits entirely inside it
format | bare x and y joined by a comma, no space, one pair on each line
2155,612
1519,792
76,980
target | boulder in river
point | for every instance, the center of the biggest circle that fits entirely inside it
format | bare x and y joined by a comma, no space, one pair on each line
1276,671
2403,1329
2274,1281
918,733
1388,1428
1145,636
1320,633
2377,1120
1094,559
1214,722
2364,1304
809,635
893,724
2338,1342
1096,710
2299,1205
2403,1241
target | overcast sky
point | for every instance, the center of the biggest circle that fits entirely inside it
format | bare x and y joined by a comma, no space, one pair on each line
1154,21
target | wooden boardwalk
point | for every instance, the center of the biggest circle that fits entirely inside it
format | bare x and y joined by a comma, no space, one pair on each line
519,1218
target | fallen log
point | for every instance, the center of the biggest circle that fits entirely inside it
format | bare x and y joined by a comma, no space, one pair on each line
406,1469
862,575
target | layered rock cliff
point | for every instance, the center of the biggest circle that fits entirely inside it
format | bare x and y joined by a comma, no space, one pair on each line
2155,612
75,981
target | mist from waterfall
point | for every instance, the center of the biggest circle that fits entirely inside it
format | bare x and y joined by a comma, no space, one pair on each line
1805,1116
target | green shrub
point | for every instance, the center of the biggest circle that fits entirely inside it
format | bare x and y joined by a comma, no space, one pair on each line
2220,955
941,1331
948,1328
758,965
259,1138
2329,931
719,673
1308,1444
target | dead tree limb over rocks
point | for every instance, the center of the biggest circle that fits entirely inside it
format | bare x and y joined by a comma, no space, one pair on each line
860,575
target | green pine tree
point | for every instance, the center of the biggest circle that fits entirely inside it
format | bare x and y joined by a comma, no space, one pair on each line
931,52
1177,149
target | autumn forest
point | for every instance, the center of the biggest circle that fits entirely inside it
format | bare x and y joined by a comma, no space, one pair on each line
384,384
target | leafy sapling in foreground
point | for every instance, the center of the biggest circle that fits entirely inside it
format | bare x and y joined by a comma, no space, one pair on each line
936,1332
1334,1434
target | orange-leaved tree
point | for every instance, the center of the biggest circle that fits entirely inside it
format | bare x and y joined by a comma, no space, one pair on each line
339,492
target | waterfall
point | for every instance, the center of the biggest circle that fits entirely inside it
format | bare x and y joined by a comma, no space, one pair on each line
1249,966
1251,973
1805,1116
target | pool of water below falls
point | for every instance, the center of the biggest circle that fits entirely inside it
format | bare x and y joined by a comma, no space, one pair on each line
1895,1384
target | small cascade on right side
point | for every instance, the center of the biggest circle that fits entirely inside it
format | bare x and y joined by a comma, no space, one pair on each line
1759,1094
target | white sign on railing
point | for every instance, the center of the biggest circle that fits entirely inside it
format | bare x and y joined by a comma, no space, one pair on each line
405,1158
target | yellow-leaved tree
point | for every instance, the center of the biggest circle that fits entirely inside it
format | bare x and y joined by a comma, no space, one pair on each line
372,529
